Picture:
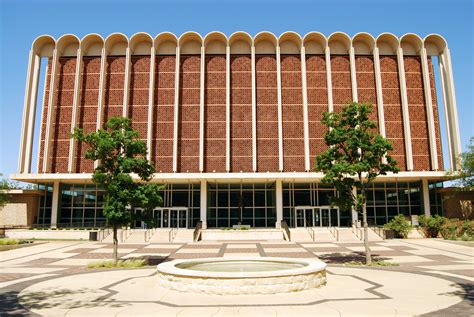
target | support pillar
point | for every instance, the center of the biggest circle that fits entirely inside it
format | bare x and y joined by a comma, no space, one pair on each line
55,204
176,112
203,208
280,112
279,203
355,216
426,197
329,78
254,113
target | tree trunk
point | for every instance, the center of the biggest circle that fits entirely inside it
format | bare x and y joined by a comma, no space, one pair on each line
368,256
115,244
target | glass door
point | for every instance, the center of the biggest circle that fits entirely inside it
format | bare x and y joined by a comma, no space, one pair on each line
300,217
325,217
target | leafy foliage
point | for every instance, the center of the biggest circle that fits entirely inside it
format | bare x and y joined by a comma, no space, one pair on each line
4,187
355,157
466,176
400,225
455,229
431,226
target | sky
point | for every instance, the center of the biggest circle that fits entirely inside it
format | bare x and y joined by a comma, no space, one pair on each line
21,21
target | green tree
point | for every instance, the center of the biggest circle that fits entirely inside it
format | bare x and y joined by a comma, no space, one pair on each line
4,187
466,174
121,157
355,157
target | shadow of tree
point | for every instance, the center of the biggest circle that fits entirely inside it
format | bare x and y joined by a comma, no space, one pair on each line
464,290
341,258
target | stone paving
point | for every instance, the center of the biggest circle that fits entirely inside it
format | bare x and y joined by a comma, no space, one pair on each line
435,277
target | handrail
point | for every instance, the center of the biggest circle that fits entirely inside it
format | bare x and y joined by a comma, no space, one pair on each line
334,232
172,233
357,232
286,230
197,231
149,232
379,231
309,229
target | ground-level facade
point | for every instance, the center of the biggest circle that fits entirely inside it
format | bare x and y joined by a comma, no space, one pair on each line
233,124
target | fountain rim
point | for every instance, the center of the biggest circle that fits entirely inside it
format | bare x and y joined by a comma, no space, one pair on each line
311,266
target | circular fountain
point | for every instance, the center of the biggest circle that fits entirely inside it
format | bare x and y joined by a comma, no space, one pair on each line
238,276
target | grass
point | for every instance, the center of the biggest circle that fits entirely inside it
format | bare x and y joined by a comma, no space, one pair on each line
8,241
122,264
374,263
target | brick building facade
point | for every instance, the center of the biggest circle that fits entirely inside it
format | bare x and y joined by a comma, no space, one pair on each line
220,111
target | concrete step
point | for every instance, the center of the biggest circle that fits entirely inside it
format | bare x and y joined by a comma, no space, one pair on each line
137,236
184,235
160,236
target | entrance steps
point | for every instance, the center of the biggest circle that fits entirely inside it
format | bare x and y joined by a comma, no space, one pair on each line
184,235
160,236
304,235
137,236
242,235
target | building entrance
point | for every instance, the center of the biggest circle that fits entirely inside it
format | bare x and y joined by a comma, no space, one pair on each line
321,216
172,217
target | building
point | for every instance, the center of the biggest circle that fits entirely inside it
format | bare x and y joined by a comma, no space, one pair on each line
233,123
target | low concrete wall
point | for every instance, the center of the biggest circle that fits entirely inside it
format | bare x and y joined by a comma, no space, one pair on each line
252,234
47,234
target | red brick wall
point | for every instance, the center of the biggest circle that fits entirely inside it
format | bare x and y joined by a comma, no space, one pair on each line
87,109
366,90
61,124
188,123
215,114
292,113
393,108
417,109
114,85
435,114
341,81
163,113
138,97
316,82
267,113
241,113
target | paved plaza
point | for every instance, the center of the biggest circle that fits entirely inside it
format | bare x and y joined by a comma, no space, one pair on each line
435,277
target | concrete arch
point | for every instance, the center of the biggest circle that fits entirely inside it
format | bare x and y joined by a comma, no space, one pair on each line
44,45
290,43
387,44
141,43
215,43
190,43
165,43
240,43
92,44
363,43
67,45
265,43
116,44
411,44
339,42
435,44
315,43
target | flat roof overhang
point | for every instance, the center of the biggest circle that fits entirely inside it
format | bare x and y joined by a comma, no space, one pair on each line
296,177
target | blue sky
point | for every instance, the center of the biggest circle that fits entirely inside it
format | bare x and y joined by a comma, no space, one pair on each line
22,21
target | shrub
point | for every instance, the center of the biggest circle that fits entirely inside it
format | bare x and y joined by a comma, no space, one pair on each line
8,241
431,226
109,264
455,229
400,225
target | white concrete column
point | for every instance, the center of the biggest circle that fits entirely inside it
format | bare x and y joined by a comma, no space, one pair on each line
203,208
75,102
405,111
456,139
444,90
201,110
329,78
38,166
378,87
151,94
102,79
353,74
32,114
429,109
355,216
176,112
55,204
126,89
26,111
49,119
279,202
280,112
227,108
304,85
426,197
254,112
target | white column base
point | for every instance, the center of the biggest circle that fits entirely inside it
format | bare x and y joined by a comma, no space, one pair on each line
279,203
203,208
55,205
426,197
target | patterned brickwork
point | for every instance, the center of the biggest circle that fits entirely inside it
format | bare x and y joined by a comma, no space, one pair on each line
417,109
215,114
138,97
292,113
341,81
241,113
163,113
393,108
87,111
61,124
435,114
188,122
366,90
267,113
114,85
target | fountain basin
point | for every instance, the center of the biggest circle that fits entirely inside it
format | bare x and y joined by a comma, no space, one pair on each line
239,276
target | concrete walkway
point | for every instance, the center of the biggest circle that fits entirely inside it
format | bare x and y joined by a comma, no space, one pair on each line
435,277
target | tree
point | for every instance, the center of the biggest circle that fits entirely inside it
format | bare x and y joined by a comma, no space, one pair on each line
121,155
466,173
355,157
4,187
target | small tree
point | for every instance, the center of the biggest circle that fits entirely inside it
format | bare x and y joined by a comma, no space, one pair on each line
120,154
4,187
356,156
466,174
